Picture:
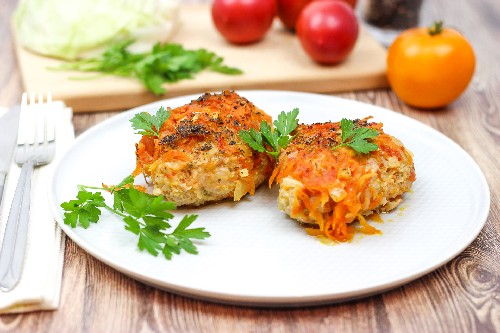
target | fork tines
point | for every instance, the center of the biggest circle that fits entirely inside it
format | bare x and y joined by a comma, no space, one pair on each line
36,123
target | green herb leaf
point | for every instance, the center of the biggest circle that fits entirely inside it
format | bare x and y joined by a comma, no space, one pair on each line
146,124
347,127
357,138
144,215
146,242
287,122
84,209
271,137
120,198
129,180
276,137
181,237
132,224
253,139
164,63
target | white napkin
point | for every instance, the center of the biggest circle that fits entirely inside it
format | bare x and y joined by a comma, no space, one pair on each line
40,284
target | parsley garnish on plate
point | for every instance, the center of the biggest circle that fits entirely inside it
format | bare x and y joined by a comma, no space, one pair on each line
277,137
357,138
164,63
144,214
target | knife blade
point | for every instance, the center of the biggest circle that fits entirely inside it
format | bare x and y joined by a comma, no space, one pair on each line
8,137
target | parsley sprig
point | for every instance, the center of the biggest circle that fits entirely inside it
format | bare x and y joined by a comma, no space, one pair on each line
277,137
164,63
357,138
144,215
147,124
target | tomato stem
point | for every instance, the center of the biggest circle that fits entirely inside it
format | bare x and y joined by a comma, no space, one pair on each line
436,28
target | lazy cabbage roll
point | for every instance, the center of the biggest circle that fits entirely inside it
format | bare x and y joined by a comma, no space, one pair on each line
328,187
199,156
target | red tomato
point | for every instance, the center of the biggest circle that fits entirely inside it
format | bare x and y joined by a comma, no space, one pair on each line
289,10
351,2
243,21
327,30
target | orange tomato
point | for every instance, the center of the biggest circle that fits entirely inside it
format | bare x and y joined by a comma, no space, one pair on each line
430,67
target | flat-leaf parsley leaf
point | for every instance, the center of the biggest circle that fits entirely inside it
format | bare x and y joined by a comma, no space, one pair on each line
146,124
277,137
357,138
84,209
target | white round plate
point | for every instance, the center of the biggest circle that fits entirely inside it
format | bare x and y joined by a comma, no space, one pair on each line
256,254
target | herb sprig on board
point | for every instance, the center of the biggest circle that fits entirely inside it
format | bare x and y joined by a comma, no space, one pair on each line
357,138
276,138
169,62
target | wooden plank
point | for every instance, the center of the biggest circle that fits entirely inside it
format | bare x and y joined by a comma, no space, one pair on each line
277,62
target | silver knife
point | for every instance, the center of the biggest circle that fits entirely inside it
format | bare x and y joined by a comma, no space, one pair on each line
8,138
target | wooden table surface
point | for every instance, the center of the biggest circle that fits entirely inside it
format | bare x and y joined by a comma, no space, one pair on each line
461,296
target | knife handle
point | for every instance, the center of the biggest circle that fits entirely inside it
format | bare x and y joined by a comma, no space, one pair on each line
16,231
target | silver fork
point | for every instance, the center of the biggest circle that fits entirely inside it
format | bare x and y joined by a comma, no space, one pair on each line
35,147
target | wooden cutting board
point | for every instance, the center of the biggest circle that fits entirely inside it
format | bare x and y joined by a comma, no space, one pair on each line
277,62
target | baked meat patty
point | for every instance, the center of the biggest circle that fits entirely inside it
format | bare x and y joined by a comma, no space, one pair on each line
199,156
329,188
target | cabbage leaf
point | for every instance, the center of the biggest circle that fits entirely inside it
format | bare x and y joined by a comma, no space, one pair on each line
71,29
